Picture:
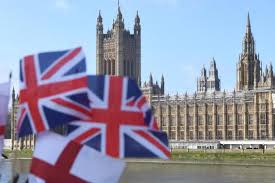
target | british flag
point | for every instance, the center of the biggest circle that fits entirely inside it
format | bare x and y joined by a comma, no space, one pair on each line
46,80
121,123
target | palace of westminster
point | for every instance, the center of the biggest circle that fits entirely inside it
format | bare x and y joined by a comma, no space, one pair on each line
207,118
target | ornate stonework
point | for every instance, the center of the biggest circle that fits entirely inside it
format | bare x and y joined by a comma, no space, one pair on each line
211,115
208,115
21,143
118,52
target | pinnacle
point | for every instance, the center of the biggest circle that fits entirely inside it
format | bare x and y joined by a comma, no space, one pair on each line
248,20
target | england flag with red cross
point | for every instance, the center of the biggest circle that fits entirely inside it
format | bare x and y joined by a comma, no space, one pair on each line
47,79
57,159
121,122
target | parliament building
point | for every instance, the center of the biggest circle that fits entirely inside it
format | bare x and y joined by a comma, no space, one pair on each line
209,118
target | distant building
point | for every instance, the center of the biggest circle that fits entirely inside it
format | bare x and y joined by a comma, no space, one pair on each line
210,117
15,143
150,88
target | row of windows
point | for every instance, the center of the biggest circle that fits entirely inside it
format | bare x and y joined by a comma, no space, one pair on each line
263,119
209,108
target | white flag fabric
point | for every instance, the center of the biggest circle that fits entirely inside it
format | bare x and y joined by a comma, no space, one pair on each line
4,102
58,159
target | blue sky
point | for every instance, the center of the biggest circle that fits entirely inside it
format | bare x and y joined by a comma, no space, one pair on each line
178,36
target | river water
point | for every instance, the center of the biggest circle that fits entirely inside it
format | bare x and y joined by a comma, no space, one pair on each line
174,173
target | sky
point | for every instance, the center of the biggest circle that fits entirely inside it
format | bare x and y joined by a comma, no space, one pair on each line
178,36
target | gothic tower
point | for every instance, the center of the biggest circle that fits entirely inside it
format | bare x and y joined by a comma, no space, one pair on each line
248,67
202,81
118,52
213,81
210,83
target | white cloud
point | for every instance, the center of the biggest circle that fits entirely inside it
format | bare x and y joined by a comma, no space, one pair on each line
62,4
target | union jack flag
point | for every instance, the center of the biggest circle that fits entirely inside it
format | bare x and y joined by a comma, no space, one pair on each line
47,79
121,123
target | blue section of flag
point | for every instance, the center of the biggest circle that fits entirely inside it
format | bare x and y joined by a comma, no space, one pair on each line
81,98
54,117
49,58
95,142
133,149
27,127
80,67
96,85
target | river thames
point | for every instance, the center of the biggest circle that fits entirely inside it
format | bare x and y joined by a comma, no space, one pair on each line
145,172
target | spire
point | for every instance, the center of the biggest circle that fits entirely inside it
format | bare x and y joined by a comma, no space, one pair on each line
203,71
137,27
213,64
119,20
119,14
162,85
13,93
99,18
151,80
248,26
248,42
137,19
270,70
99,25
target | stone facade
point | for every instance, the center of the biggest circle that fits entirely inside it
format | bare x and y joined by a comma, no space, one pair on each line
150,88
21,143
216,116
118,52
208,116
211,115
211,82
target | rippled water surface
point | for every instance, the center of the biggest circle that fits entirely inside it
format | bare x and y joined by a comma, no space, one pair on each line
174,173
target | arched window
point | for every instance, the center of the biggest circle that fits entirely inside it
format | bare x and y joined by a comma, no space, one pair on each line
113,67
109,67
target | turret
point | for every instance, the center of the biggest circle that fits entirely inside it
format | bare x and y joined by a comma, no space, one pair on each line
162,85
151,83
137,27
139,81
119,23
99,44
202,81
270,70
213,81
248,42
99,25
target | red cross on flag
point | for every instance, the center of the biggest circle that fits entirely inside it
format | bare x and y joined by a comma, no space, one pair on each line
4,101
57,159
